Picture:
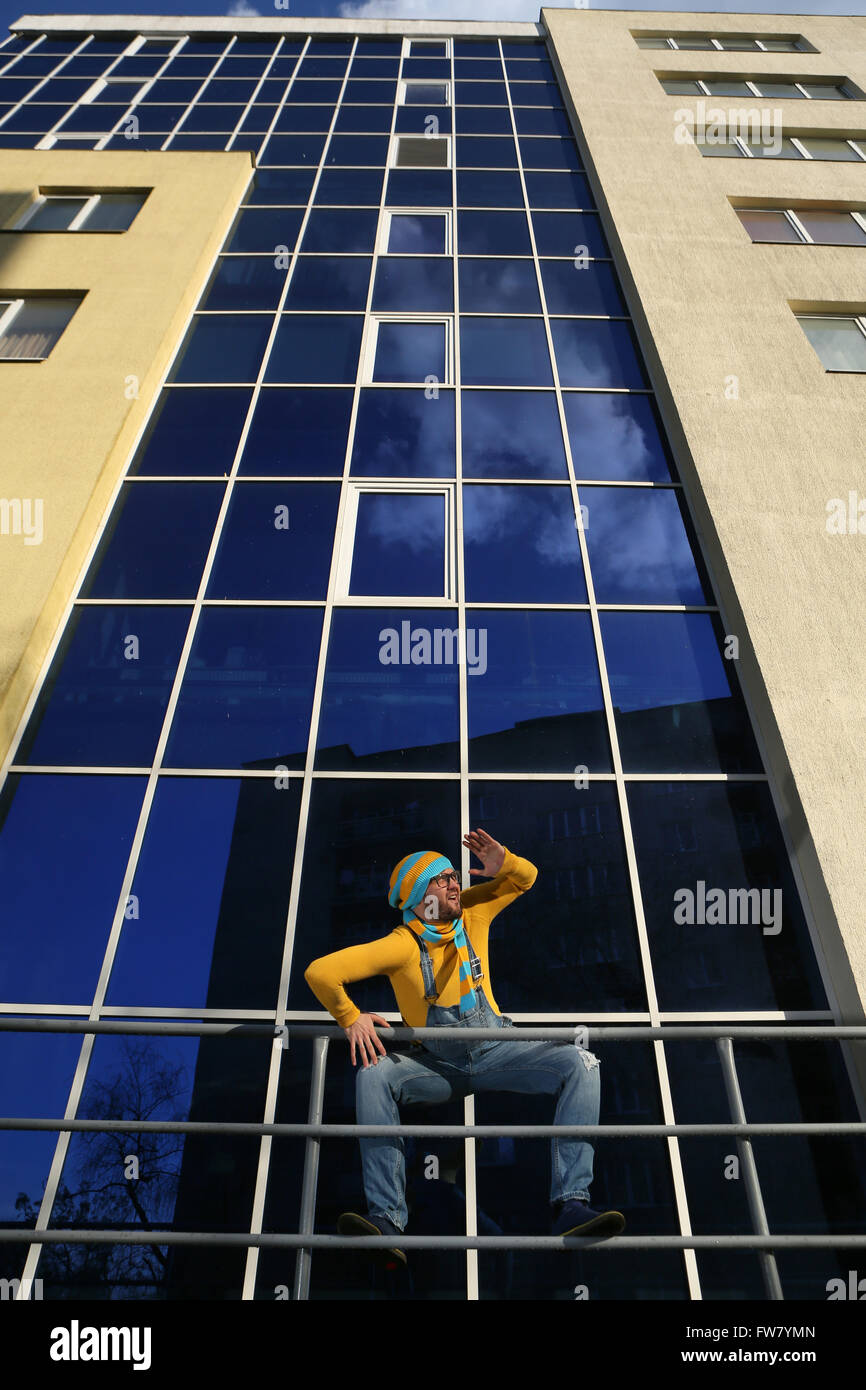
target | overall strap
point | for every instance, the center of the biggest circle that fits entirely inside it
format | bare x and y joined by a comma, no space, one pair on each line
431,994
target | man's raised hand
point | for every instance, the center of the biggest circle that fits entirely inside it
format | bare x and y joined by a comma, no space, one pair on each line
362,1033
489,851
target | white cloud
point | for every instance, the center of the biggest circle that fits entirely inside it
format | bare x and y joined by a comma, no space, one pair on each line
242,10
500,10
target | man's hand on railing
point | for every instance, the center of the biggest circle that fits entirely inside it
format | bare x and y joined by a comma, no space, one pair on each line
362,1033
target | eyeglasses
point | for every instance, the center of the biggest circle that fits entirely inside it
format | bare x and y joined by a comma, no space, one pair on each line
444,880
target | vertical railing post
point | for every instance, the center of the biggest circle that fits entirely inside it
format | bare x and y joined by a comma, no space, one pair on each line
766,1258
301,1289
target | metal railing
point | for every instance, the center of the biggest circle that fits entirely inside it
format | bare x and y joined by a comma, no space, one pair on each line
314,1130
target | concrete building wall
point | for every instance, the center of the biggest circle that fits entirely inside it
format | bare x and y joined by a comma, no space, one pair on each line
766,436
69,422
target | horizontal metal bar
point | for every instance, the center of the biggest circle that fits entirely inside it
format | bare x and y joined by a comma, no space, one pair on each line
523,1033
311,1131
23,1235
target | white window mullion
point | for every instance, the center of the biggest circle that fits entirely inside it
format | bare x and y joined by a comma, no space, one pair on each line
81,217
798,226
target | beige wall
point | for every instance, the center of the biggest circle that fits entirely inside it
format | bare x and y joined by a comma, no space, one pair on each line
759,470
68,422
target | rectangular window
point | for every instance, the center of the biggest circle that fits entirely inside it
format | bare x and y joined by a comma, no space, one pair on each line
727,43
426,48
419,93
29,328
406,350
77,212
421,152
817,226
397,542
838,339
416,233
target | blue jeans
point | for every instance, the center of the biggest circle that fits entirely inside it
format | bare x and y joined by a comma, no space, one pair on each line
442,1070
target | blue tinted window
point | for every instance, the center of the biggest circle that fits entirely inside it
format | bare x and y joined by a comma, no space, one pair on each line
329,282
548,152
414,120
509,286
362,66
194,432
248,689
293,149
552,718
350,186
558,191
615,436
435,67
483,120
294,119
36,118
591,289
100,119
386,703
538,120
480,93
493,233
298,432
677,700
276,542
340,231
536,94
373,92
182,142
486,152
537,523
311,348
512,434
504,352
258,119
223,347
639,550
417,233
156,541
322,67
163,90
482,188
363,119
358,149
281,186
591,352
104,699
211,118
415,285
391,529
477,48
313,92
404,433
263,229
422,188
566,233
35,1076
51,826
245,282
330,48
410,352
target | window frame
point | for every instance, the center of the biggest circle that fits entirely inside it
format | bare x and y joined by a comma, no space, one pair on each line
388,215
78,223
859,321
370,341
406,82
716,42
844,86
802,231
14,307
427,38
854,142
345,550
394,149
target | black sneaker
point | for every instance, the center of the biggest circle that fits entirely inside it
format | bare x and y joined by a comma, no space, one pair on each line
577,1218
350,1224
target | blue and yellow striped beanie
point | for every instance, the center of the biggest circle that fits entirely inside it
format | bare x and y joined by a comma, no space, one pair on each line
410,878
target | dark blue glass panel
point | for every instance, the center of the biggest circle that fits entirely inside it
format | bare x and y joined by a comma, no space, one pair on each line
190,945
476,48
535,702
322,67
29,142
152,119
712,840
235,66
312,92
523,65
298,432
483,120
35,1076
615,436
388,526
281,186
12,89
257,120
263,229
421,188
358,149
504,352
512,434
36,118
568,233
126,92
223,118
330,48
179,67
315,348
416,285
165,91
104,699
590,289
64,90
482,188
245,282
387,703
364,119
228,89
533,523
374,93
574,837
548,152
295,119
478,68
538,120
276,542
677,700
537,95
410,352
507,286
493,234
350,186
639,549
426,67
368,48
416,234
358,830
329,282
480,93
558,191
414,120
363,66
293,149
99,119
193,432
342,232
156,541
591,352
404,434
65,839
223,347
486,152
248,690
193,142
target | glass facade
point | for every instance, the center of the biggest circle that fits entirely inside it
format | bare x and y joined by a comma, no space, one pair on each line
402,550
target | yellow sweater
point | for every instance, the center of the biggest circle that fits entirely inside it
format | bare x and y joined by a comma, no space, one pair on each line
398,957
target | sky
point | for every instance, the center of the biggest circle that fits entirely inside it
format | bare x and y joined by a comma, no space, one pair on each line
500,10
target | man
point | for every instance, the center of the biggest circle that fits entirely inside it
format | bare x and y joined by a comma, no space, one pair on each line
437,963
